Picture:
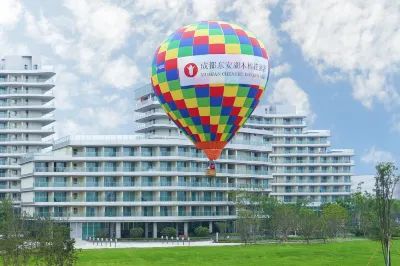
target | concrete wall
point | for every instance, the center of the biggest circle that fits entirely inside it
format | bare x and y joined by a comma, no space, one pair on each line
18,62
27,168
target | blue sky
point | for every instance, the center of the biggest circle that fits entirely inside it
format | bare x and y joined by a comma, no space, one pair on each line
336,60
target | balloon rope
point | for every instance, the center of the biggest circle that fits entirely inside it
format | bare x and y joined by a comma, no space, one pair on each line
373,255
394,244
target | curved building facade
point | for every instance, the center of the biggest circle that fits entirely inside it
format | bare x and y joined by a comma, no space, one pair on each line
25,116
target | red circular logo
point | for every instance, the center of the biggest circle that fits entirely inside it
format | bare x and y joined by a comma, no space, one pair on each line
191,70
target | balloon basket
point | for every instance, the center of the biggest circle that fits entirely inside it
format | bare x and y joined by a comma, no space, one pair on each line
211,172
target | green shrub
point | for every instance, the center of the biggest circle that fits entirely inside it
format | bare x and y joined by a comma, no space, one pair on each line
169,231
137,232
396,231
356,231
201,231
101,233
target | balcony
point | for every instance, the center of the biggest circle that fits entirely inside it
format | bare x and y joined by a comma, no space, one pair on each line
24,104
144,186
316,171
30,81
145,127
25,92
305,142
146,105
310,181
308,191
133,214
149,115
145,169
314,161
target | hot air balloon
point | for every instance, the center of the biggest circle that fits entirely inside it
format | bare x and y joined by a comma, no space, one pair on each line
209,77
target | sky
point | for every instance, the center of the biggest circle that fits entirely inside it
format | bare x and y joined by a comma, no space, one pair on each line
336,60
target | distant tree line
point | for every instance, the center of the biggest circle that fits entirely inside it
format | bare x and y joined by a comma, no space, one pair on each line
27,240
376,215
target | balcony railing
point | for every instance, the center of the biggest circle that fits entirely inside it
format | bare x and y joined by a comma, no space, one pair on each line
315,161
167,153
26,116
145,169
42,104
22,80
295,142
134,214
311,181
311,191
315,171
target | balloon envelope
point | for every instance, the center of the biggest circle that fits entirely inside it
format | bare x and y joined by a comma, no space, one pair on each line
209,77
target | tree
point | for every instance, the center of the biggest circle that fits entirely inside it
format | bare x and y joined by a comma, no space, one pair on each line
248,225
137,232
26,239
335,219
222,228
285,220
201,231
385,182
53,244
101,233
308,223
260,205
13,231
169,232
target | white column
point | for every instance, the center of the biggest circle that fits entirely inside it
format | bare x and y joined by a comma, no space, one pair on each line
210,226
118,230
154,230
186,228
146,230
76,231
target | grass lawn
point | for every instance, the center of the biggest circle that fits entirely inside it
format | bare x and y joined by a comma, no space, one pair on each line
337,253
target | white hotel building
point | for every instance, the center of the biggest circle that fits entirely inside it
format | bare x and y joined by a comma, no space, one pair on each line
157,178
25,116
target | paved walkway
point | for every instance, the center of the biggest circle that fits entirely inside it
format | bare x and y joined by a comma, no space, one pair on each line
82,244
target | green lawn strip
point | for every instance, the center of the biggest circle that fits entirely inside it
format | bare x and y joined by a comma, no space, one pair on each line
337,253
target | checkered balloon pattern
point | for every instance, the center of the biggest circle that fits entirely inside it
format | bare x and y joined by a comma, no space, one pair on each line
206,112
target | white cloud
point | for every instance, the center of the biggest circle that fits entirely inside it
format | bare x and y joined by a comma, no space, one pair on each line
280,70
395,123
207,9
110,98
122,73
158,20
10,13
66,82
43,30
97,120
374,156
103,28
286,91
104,117
367,183
353,38
254,15
96,29
67,127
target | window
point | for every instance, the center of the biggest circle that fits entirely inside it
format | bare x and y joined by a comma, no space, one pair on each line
75,196
75,210
75,181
